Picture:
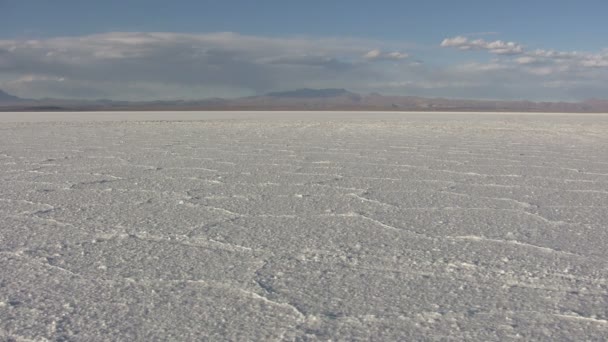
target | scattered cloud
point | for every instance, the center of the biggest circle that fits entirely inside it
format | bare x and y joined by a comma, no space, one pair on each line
161,65
378,55
119,63
373,54
511,71
397,55
482,67
566,60
498,47
526,60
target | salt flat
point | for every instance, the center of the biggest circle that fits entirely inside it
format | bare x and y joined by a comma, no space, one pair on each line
303,226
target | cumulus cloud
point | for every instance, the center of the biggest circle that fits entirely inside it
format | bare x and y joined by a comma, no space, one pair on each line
458,42
539,61
511,71
533,75
498,47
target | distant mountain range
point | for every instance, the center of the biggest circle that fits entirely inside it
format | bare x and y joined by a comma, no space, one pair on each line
6,98
307,99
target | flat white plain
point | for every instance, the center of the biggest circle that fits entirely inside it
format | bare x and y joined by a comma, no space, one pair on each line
303,226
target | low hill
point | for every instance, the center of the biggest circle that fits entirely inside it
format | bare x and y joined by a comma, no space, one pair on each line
309,99
6,98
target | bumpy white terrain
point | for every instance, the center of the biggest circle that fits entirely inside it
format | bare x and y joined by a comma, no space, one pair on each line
303,226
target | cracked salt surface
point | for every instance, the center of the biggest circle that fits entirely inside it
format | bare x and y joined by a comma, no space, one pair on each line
303,226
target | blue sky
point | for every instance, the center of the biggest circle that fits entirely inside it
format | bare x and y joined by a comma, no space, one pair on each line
122,49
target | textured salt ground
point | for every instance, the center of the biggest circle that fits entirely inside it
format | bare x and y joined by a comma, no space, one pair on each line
286,226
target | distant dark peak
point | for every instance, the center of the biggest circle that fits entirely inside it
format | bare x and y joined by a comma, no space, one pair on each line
7,97
312,93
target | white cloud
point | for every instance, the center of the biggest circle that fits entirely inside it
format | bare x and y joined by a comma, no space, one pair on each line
520,76
117,64
526,60
372,54
539,61
378,55
595,61
554,54
149,66
458,42
397,55
482,67
504,48
36,78
541,71
498,47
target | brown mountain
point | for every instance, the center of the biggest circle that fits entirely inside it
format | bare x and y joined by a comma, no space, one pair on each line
309,99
